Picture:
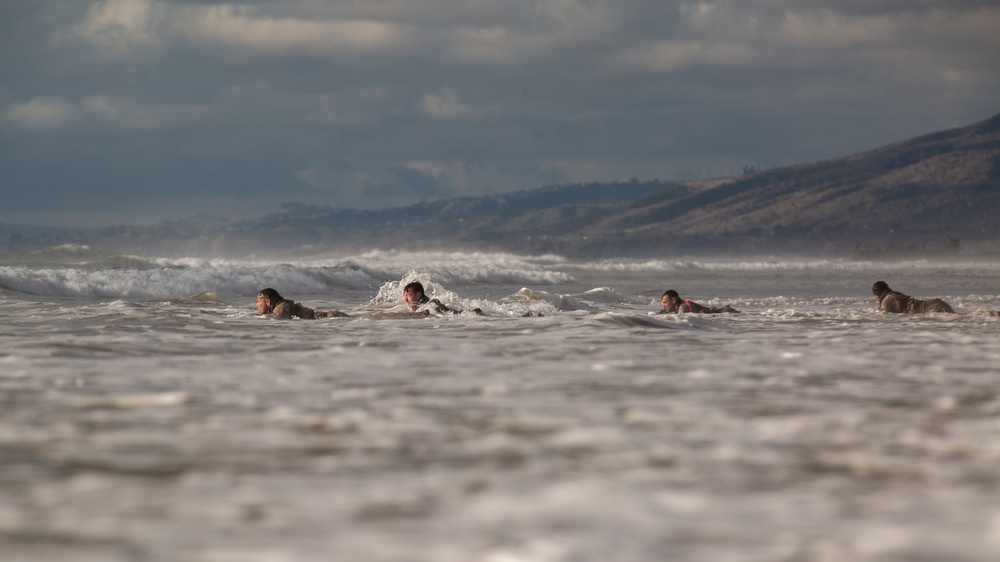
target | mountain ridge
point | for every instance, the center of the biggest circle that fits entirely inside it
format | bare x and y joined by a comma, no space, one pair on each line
922,194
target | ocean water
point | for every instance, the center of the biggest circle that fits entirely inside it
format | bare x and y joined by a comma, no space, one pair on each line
148,413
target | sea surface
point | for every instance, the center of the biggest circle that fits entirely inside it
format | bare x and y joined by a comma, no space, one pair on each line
149,413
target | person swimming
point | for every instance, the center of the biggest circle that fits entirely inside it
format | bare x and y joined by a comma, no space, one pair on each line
271,303
674,304
416,299
896,302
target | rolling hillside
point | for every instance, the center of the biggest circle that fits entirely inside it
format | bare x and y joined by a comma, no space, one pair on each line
936,193
938,183
939,191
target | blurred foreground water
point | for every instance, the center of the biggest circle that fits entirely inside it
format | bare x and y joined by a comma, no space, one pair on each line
147,413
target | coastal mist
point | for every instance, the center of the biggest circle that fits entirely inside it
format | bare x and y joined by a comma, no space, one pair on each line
148,412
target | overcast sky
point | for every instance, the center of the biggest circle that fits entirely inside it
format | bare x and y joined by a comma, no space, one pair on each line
131,111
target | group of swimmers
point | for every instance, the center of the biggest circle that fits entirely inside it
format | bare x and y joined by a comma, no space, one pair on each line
271,303
888,301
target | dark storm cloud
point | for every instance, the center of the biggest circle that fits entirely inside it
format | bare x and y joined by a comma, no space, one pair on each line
148,108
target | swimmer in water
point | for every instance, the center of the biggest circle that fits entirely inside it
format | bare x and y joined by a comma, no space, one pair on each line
673,304
894,301
272,304
415,298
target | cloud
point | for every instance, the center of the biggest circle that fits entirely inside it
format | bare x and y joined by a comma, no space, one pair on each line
122,28
98,112
119,27
446,105
374,103
42,114
814,36
494,44
243,27
132,116
679,55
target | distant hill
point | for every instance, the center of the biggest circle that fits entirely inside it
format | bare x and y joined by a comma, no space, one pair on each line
498,208
489,222
936,193
944,185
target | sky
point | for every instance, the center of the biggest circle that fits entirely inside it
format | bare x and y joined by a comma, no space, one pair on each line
137,111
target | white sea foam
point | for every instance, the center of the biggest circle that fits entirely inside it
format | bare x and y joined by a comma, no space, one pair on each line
781,264
148,411
151,278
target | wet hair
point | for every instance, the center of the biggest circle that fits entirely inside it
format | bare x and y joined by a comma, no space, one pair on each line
416,286
671,293
270,294
880,288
